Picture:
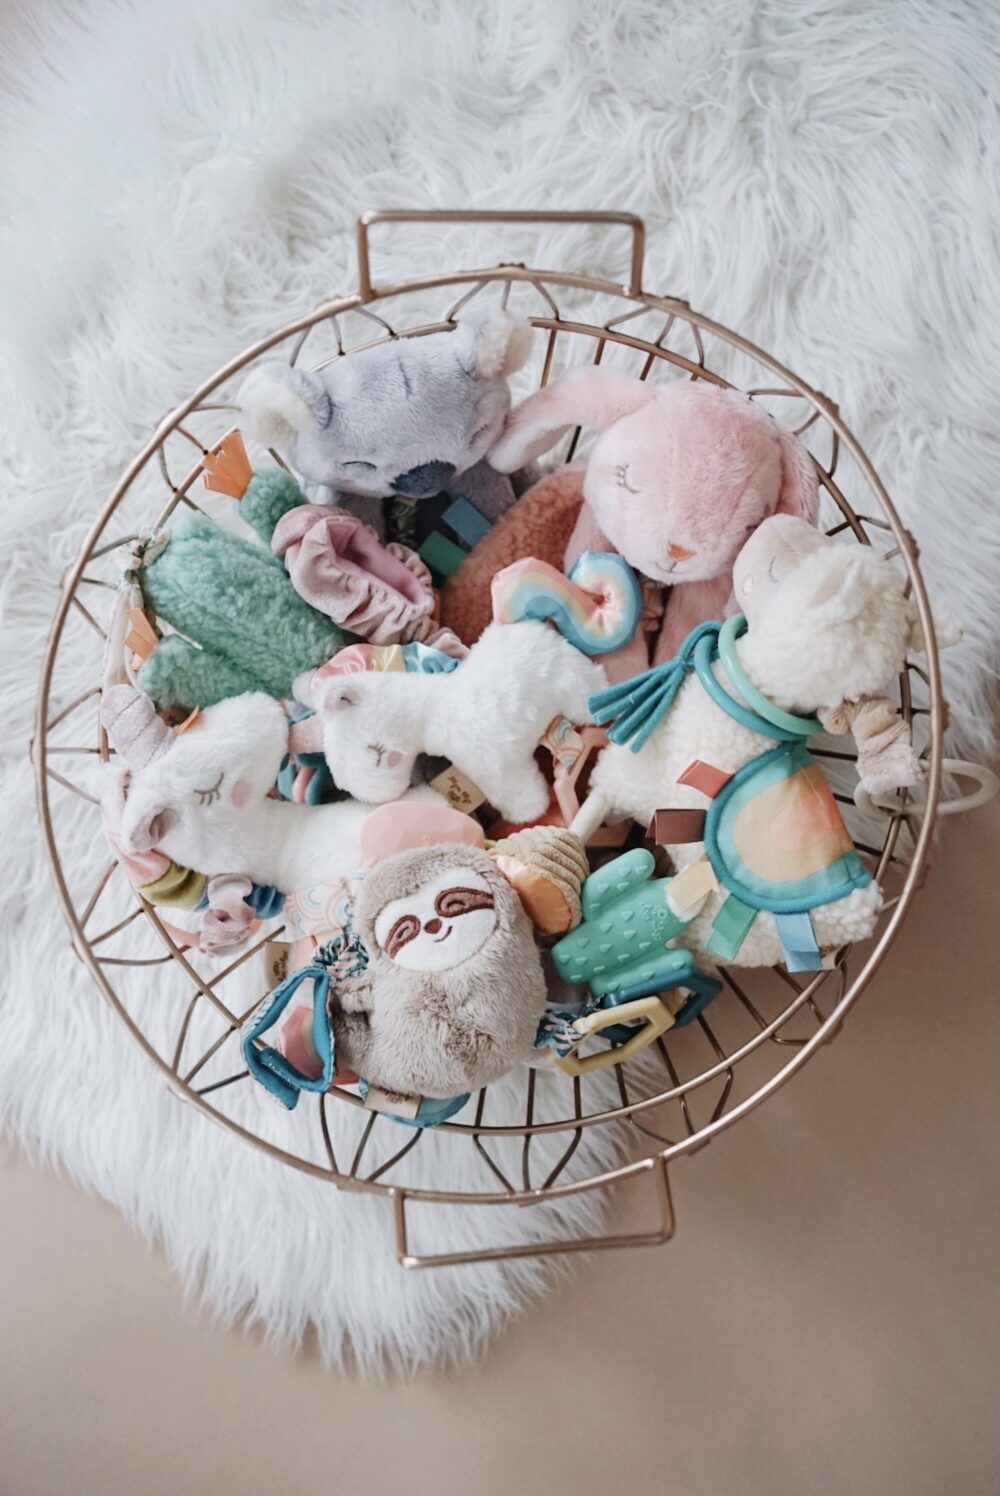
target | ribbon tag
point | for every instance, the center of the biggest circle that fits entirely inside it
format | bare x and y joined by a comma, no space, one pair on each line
227,467
140,636
460,792
394,1103
277,960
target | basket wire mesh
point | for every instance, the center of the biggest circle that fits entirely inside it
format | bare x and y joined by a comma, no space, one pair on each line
693,1083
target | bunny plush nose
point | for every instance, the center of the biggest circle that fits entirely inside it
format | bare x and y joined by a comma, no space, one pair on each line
680,553
420,482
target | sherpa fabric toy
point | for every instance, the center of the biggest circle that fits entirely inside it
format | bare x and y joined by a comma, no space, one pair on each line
487,716
203,799
408,417
720,727
679,477
436,986
244,626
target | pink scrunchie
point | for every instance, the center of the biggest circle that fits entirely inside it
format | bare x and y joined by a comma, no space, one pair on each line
337,563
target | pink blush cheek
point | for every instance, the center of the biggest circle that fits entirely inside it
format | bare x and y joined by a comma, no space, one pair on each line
240,793
393,758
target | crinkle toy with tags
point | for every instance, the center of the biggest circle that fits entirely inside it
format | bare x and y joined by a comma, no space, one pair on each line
708,750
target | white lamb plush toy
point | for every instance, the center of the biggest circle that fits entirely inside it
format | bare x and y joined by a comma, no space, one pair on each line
828,624
202,796
487,716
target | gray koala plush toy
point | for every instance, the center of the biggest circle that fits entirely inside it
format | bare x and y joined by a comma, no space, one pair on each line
454,988
408,418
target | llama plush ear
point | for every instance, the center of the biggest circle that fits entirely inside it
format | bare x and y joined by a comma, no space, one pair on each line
799,492
278,403
492,342
841,587
588,396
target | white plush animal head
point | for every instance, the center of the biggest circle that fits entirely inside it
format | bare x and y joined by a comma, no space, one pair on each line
205,780
402,417
368,731
828,622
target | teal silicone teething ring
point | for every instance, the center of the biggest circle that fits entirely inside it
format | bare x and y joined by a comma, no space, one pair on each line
802,727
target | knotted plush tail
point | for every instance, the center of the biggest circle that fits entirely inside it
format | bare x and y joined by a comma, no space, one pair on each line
632,709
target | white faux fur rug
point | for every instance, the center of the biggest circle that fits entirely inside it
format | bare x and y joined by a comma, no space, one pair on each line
179,179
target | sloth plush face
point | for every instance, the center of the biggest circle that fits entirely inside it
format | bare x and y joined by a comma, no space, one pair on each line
440,924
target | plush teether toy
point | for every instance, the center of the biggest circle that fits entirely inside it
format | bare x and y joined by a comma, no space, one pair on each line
487,716
679,477
436,986
721,731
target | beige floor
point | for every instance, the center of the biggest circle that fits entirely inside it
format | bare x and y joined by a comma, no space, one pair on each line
822,1324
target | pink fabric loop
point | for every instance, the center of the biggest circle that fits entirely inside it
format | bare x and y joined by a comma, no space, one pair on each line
339,566
228,920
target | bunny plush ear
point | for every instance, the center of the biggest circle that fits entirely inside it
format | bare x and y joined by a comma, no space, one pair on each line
492,343
278,403
588,396
799,491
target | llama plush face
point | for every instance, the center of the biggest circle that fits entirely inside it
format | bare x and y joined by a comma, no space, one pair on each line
401,417
223,763
365,734
828,621
440,924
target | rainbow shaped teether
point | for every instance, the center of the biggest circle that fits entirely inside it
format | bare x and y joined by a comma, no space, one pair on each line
597,607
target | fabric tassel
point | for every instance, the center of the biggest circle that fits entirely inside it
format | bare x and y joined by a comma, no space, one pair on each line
633,709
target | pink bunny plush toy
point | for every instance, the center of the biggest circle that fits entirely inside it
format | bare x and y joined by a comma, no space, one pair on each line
678,479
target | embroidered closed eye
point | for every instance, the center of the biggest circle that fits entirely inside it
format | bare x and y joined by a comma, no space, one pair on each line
480,432
379,751
368,467
621,477
772,569
452,902
406,928
209,796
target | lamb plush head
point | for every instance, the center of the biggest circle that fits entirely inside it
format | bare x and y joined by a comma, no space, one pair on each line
680,475
828,622
368,731
402,417
198,784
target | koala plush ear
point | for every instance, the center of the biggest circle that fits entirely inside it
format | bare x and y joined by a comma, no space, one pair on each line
492,343
588,396
334,694
278,403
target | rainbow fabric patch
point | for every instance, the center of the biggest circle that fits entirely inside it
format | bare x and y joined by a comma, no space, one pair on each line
596,608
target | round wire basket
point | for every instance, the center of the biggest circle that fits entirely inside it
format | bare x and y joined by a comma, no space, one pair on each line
694,1082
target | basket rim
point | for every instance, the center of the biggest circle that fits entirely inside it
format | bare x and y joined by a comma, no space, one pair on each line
643,299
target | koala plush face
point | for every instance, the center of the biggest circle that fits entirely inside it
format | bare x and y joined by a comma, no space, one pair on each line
402,417
226,760
365,735
440,924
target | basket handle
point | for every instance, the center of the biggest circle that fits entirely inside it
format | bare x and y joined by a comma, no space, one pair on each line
368,292
655,1236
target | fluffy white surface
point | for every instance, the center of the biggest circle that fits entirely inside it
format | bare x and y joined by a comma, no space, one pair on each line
180,179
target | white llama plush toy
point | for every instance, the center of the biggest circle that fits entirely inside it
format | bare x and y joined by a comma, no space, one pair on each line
827,625
201,796
487,716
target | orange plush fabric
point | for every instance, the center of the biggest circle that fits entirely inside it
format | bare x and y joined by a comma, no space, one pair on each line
539,524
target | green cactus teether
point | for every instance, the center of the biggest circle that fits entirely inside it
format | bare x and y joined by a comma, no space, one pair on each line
620,949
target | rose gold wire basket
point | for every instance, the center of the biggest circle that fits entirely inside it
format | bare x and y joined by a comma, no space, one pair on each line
695,1082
